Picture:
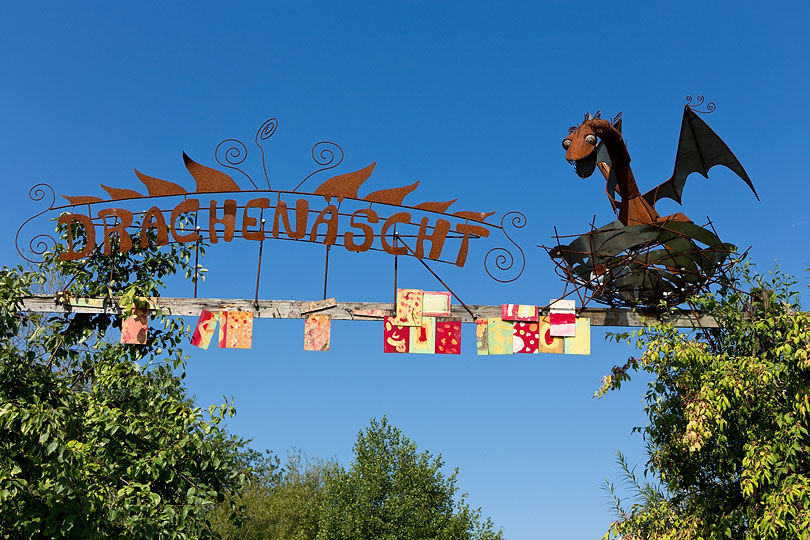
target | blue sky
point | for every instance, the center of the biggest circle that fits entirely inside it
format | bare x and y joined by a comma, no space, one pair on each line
471,98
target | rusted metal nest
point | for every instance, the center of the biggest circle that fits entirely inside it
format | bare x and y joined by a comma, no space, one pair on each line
642,265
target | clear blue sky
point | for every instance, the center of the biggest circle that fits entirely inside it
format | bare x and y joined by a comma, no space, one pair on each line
471,98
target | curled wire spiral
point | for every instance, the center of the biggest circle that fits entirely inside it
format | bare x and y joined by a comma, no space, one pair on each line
710,106
265,131
327,154
233,153
40,243
504,260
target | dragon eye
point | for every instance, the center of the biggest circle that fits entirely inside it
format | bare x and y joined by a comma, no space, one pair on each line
590,139
566,143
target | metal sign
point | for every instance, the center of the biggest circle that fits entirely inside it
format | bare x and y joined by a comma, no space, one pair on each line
332,214
641,259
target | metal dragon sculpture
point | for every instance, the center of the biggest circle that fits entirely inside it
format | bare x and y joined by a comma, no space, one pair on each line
644,258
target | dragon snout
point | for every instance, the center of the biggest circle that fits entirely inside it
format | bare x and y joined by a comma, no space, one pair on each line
584,167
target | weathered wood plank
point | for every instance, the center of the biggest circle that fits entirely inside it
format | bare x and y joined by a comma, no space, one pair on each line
297,309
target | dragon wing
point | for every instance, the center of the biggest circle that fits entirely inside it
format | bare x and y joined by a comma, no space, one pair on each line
699,149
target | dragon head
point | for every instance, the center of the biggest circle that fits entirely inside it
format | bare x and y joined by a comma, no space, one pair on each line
580,147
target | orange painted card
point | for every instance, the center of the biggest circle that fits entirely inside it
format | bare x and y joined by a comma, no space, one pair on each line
409,307
135,327
317,332
236,330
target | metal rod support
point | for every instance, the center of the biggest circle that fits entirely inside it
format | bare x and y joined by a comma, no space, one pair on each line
438,278
196,258
396,261
259,266
326,272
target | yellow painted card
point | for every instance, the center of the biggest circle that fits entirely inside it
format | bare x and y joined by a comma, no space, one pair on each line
581,343
500,335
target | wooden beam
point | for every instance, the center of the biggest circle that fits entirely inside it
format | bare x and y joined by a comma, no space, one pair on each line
297,309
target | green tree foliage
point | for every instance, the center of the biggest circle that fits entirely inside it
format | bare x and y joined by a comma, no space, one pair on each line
278,503
99,439
392,492
728,411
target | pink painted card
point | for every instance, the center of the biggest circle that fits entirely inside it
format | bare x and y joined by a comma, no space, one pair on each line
526,338
519,312
395,338
204,332
135,327
409,307
563,318
236,330
448,337
374,313
317,332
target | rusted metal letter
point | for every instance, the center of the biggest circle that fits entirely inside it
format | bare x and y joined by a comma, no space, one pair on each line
331,225
467,229
228,220
154,220
248,221
301,218
437,238
90,231
120,228
399,217
190,205
368,232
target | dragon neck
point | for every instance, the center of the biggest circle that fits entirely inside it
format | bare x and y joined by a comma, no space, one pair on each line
619,156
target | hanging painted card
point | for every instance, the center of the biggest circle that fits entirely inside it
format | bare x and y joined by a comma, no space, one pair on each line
519,312
526,338
318,305
409,307
395,338
236,330
317,332
499,335
206,325
549,343
436,303
581,343
84,301
373,313
482,336
423,338
563,317
135,327
448,337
